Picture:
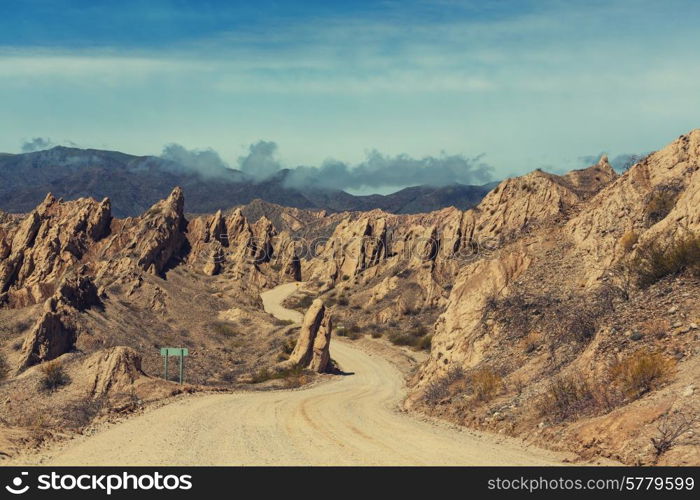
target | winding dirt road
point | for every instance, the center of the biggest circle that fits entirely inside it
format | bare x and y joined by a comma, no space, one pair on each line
348,421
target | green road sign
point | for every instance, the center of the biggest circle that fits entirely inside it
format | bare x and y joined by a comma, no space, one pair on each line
174,351
180,352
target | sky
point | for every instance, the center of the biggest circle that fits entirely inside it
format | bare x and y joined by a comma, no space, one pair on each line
499,87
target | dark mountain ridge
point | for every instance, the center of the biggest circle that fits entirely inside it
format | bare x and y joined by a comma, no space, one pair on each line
134,183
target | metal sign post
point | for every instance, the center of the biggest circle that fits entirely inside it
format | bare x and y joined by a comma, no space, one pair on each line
180,352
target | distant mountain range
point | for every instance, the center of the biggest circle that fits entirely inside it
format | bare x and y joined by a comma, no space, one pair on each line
134,183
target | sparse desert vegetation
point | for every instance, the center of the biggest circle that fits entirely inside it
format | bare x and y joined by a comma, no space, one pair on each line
53,376
655,260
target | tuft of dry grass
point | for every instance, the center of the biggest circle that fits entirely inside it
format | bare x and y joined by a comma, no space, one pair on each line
4,367
568,397
295,376
628,240
641,372
655,328
655,261
417,338
531,342
53,376
660,203
80,412
485,383
225,329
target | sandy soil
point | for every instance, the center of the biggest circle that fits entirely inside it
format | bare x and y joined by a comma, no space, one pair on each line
350,420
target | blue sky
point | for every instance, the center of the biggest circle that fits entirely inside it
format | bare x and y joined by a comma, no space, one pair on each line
525,84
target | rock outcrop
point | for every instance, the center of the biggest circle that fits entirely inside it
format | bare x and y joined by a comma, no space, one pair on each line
356,245
160,234
312,349
50,240
669,177
457,340
56,330
113,370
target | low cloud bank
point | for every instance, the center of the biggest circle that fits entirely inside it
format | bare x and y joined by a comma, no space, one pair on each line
377,171
36,144
205,162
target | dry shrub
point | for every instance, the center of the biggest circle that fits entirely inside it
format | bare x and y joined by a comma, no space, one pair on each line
299,303
425,343
289,344
671,429
655,328
283,322
295,376
225,329
485,384
439,389
53,376
352,332
660,203
4,367
36,418
568,397
628,240
417,338
80,412
575,320
531,342
654,261
511,312
579,322
641,372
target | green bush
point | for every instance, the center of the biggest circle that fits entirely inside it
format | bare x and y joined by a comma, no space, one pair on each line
416,338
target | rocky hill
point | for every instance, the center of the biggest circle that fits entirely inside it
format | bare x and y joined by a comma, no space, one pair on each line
134,183
561,308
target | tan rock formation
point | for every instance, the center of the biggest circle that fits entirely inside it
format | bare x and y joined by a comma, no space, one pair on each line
56,330
457,339
622,206
321,356
113,370
355,246
312,349
49,241
159,235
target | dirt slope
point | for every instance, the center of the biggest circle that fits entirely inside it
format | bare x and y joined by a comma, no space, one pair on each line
351,420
